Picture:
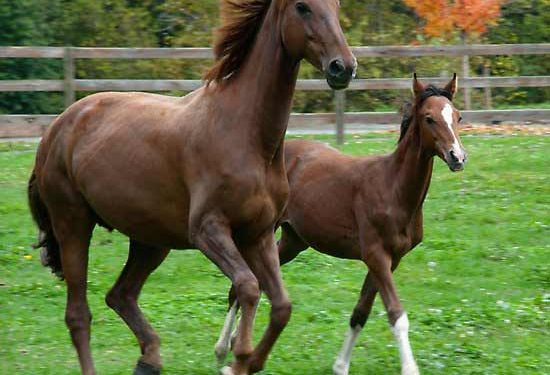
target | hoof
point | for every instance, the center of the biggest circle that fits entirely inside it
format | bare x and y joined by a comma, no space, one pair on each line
143,368
221,352
340,368
411,369
226,371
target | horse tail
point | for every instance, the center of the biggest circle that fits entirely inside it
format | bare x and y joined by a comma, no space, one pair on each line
50,255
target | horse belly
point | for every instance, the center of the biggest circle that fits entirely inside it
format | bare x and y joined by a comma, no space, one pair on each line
146,204
324,225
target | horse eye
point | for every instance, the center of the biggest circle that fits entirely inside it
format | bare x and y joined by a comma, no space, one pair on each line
460,119
430,120
302,9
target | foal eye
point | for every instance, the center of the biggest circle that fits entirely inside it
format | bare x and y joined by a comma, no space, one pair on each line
430,120
302,9
460,119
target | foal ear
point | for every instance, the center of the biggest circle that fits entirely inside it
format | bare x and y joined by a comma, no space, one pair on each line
418,87
452,86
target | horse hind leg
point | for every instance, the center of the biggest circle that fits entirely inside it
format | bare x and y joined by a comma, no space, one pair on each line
123,299
72,225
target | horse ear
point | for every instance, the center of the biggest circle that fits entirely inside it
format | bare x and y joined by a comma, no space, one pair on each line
452,86
418,88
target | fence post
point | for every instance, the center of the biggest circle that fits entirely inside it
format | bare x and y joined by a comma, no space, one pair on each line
340,102
488,94
466,74
69,76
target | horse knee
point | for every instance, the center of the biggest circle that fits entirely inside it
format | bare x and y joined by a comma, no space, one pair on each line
281,312
248,291
78,317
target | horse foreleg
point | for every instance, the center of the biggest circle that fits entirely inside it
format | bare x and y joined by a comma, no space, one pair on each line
380,265
123,297
214,240
289,247
264,262
357,322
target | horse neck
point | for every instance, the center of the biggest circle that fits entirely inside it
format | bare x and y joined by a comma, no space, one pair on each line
266,83
411,169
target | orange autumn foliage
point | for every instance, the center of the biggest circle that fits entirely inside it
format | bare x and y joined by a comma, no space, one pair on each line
445,16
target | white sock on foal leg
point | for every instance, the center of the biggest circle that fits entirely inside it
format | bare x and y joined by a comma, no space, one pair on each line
341,365
224,341
401,332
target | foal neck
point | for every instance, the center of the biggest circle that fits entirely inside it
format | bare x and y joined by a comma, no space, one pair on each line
411,168
266,84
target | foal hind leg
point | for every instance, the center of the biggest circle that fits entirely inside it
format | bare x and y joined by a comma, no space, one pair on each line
73,226
289,246
357,322
123,299
223,345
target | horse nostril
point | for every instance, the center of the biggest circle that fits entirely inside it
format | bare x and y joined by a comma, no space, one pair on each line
454,158
336,68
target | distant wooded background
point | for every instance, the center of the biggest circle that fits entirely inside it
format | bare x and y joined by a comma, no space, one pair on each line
188,23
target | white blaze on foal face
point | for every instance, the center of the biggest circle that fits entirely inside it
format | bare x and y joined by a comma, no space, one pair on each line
447,114
447,144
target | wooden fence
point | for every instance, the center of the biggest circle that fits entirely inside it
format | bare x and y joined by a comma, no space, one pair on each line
34,125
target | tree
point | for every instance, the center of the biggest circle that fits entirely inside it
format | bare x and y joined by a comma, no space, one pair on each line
469,17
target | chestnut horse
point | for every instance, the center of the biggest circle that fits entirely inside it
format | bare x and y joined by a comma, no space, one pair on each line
368,208
203,171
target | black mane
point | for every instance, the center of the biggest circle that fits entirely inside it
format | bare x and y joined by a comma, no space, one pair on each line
408,108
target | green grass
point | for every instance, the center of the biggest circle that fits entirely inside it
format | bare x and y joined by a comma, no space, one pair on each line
482,309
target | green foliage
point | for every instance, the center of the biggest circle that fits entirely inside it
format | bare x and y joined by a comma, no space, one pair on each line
476,290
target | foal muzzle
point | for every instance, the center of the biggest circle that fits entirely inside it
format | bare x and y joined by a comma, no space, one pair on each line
455,159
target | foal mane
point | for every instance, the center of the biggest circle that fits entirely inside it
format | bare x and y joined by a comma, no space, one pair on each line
241,21
409,109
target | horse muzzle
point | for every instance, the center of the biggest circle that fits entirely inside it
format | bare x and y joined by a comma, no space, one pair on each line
339,75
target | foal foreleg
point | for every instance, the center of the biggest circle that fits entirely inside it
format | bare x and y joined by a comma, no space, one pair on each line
357,322
123,297
381,267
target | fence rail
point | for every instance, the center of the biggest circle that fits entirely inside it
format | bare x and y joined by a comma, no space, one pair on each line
34,125
303,85
206,53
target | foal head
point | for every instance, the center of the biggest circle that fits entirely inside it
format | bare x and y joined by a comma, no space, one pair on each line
437,119
311,30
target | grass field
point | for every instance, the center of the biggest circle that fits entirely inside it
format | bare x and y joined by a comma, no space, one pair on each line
477,290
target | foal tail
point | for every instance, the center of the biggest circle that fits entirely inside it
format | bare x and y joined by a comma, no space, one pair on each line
49,255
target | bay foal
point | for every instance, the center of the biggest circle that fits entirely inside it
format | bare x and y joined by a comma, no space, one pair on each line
203,171
368,208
